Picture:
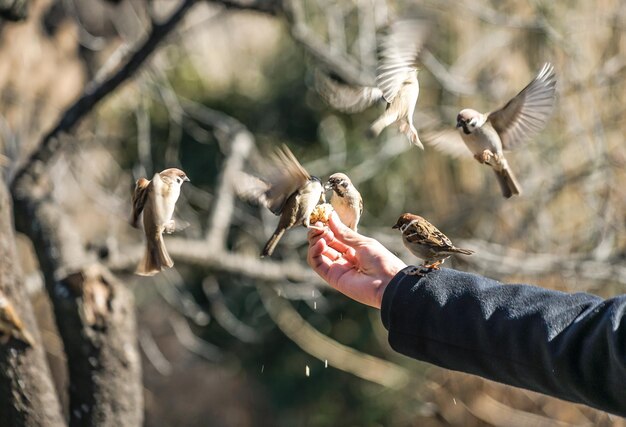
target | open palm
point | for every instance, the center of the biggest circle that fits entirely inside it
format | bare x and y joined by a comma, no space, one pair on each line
355,265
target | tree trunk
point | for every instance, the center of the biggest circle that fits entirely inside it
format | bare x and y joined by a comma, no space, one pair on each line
94,313
27,395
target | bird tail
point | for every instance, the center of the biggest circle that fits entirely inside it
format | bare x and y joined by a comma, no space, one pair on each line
268,250
381,123
155,258
463,251
411,133
508,182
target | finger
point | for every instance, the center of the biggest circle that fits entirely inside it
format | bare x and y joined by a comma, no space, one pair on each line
317,261
343,233
316,232
345,250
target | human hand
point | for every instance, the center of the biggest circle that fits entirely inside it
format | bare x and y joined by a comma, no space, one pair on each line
357,266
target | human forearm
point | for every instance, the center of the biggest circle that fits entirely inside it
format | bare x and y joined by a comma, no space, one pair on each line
571,346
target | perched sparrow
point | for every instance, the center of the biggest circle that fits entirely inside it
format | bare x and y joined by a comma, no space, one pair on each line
346,199
156,199
487,135
396,81
425,241
287,190
11,325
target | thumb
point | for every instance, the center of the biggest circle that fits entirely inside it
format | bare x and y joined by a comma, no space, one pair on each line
344,233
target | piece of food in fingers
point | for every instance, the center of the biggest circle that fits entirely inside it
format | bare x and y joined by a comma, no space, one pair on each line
321,213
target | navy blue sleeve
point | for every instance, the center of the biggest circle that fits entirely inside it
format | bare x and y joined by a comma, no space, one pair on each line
571,346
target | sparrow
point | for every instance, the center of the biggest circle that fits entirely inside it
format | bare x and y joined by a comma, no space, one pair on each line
10,324
487,135
396,81
345,200
156,199
288,190
425,241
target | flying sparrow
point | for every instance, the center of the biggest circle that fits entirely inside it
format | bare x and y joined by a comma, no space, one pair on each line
396,81
10,324
287,190
425,241
487,135
156,199
346,199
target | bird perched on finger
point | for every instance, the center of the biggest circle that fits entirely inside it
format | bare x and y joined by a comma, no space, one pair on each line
396,81
425,241
11,325
156,199
287,190
487,135
345,200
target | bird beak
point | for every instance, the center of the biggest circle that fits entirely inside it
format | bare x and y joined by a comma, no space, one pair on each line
459,124
328,186
186,179
395,226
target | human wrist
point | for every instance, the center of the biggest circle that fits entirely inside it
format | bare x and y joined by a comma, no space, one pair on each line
390,270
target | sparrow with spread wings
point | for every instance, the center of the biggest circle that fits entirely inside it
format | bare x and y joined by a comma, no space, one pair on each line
488,135
396,81
287,190
156,199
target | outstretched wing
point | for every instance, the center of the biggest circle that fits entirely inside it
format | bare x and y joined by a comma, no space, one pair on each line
398,52
286,177
344,97
140,196
448,142
526,114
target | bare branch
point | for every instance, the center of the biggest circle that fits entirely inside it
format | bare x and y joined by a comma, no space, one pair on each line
339,356
223,207
224,316
95,92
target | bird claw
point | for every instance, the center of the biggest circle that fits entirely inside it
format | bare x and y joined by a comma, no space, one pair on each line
170,227
484,157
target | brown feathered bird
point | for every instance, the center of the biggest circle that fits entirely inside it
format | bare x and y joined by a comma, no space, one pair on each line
488,135
346,199
425,241
396,80
287,190
292,193
157,200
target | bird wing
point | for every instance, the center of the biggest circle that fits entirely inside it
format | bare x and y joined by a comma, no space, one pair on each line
140,196
526,114
398,53
344,97
286,176
424,233
448,142
250,188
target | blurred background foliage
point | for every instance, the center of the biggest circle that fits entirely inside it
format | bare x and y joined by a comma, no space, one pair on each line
212,354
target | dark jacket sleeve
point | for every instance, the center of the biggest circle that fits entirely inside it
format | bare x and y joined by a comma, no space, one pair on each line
571,346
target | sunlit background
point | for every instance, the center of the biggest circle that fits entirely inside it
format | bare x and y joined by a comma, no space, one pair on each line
227,339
